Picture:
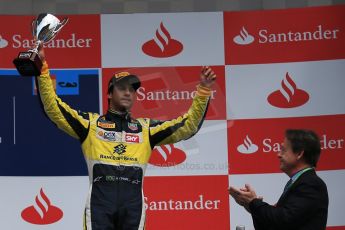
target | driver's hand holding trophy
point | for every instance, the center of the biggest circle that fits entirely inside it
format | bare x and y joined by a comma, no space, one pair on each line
44,28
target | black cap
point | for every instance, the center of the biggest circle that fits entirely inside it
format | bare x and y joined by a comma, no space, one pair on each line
124,76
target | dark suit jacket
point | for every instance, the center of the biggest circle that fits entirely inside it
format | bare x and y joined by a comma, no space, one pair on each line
304,206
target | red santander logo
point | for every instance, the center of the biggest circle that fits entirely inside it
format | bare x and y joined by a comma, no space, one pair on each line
42,212
288,96
162,45
167,156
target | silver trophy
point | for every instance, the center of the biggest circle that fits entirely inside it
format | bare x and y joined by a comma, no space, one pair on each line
44,28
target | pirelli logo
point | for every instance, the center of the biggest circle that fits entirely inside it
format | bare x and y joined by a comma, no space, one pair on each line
106,125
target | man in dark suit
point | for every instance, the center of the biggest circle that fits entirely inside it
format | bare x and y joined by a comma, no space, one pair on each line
304,202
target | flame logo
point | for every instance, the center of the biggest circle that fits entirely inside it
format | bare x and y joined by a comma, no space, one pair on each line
248,146
42,212
167,156
288,96
244,38
3,42
162,45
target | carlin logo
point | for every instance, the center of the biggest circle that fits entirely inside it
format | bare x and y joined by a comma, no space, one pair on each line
167,156
43,212
247,147
162,45
120,149
3,42
244,38
288,96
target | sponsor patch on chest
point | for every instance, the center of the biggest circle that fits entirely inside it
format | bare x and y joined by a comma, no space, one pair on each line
106,125
108,135
119,136
132,138
133,126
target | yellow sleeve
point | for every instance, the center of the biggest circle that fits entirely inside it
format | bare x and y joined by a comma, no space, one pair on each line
183,127
74,123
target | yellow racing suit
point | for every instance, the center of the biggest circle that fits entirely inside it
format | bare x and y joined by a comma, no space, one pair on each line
117,149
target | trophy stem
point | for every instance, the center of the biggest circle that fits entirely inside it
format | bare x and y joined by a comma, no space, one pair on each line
35,49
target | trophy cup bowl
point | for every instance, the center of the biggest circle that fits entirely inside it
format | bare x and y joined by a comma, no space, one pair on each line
44,28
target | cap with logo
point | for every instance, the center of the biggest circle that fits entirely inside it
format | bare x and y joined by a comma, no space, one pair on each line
124,77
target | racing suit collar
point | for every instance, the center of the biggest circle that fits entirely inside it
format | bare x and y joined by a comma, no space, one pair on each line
113,115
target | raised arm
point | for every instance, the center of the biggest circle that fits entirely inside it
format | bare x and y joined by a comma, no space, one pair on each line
184,127
74,123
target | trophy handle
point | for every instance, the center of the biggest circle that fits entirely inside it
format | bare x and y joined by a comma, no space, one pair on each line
61,24
34,27
57,29
34,31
